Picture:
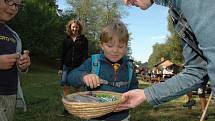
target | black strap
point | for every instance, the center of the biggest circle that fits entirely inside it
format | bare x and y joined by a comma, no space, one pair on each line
184,30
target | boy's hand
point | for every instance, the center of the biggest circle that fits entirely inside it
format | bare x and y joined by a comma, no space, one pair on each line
92,80
24,61
7,61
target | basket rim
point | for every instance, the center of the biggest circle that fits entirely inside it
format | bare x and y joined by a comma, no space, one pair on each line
92,109
118,95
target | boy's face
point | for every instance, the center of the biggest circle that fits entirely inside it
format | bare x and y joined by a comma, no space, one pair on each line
113,50
8,9
75,29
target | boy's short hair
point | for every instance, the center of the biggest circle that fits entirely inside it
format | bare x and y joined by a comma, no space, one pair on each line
68,26
116,28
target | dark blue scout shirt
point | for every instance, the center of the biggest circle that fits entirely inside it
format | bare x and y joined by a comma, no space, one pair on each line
8,78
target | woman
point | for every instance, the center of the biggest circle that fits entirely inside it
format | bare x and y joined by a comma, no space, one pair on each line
74,52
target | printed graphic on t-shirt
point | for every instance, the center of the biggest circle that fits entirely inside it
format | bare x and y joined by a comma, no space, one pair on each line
7,41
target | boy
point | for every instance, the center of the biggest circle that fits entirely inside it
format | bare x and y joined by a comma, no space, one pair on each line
114,68
10,62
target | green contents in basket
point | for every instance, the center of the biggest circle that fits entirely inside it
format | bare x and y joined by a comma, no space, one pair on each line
106,97
91,97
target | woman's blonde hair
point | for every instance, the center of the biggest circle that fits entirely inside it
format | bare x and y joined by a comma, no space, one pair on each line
68,27
116,28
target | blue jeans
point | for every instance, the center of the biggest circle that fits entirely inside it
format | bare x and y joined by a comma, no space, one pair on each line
64,80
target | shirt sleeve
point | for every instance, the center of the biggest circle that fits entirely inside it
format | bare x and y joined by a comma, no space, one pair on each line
75,77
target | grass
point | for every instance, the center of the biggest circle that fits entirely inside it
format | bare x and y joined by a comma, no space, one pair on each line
42,94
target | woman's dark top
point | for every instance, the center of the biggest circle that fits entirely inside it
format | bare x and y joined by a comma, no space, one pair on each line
74,52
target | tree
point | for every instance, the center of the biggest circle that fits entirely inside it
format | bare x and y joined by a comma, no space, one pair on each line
94,15
159,51
175,45
171,49
40,28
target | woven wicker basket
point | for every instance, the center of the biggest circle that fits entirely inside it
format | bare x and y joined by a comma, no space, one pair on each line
91,110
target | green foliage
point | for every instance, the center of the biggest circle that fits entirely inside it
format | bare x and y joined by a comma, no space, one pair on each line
171,49
159,50
40,28
175,45
94,15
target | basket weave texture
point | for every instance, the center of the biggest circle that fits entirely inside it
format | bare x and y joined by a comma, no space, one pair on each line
91,110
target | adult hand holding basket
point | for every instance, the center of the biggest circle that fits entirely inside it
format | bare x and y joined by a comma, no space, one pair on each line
88,110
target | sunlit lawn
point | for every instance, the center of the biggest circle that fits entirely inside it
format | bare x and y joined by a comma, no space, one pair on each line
42,93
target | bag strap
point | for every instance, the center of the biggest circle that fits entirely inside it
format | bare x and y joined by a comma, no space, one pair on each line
130,73
18,40
183,29
95,62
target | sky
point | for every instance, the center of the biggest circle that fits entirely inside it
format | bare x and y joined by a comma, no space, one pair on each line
146,28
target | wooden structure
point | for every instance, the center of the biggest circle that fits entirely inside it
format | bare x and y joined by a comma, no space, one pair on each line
165,69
